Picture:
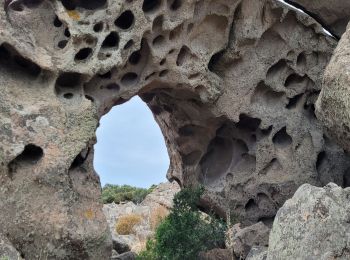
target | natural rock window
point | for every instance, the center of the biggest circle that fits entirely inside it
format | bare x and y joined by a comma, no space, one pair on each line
130,147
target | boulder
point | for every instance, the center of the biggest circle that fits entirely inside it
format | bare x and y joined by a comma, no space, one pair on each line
246,238
119,246
257,253
314,224
217,254
125,256
7,251
333,104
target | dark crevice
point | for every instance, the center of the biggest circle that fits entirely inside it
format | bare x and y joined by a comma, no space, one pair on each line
315,17
80,159
112,40
125,20
150,5
214,60
12,60
30,156
83,54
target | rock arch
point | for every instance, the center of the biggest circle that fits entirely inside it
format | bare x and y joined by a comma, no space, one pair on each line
232,85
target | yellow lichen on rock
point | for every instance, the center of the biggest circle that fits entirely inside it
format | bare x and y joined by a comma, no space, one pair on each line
73,14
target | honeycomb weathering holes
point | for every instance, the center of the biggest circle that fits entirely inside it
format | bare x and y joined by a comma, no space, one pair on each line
112,40
150,5
83,54
125,20
129,79
30,155
67,84
86,4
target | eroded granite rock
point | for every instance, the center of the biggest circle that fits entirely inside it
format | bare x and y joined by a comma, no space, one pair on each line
7,251
333,104
314,225
332,14
232,85
244,239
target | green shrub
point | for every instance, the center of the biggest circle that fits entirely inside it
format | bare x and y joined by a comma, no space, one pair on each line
117,194
150,252
186,232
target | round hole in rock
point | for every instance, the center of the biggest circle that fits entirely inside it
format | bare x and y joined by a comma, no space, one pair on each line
67,33
163,73
98,27
175,5
83,54
128,44
57,22
30,155
69,4
150,5
68,95
112,40
125,20
69,79
135,57
62,44
129,79
159,40
138,161
113,86
92,4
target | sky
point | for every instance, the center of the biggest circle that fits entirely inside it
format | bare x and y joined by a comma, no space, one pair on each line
130,147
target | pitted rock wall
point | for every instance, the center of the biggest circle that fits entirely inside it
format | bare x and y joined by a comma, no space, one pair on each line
232,85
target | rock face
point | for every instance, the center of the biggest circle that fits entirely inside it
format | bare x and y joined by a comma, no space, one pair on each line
7,251
231,83
334,14
153,208
244,239
217,254
333,104
314,224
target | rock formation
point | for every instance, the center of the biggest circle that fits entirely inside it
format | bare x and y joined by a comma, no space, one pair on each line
231,83
314,224
333,104
333,15
247,238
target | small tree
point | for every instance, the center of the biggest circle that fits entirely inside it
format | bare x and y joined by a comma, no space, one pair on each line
186,231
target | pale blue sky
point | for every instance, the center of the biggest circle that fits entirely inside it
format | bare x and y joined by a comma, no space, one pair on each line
130,147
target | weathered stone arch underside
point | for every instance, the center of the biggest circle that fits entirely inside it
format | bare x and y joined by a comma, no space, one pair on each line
232,84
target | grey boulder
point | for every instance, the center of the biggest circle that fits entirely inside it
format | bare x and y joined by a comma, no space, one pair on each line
313,225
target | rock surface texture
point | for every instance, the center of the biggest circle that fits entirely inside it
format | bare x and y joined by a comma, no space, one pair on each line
7,251
313,225
244,239
334,15
231,83
333,105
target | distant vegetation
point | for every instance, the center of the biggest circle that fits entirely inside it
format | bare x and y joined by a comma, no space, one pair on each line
185,232
123,193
